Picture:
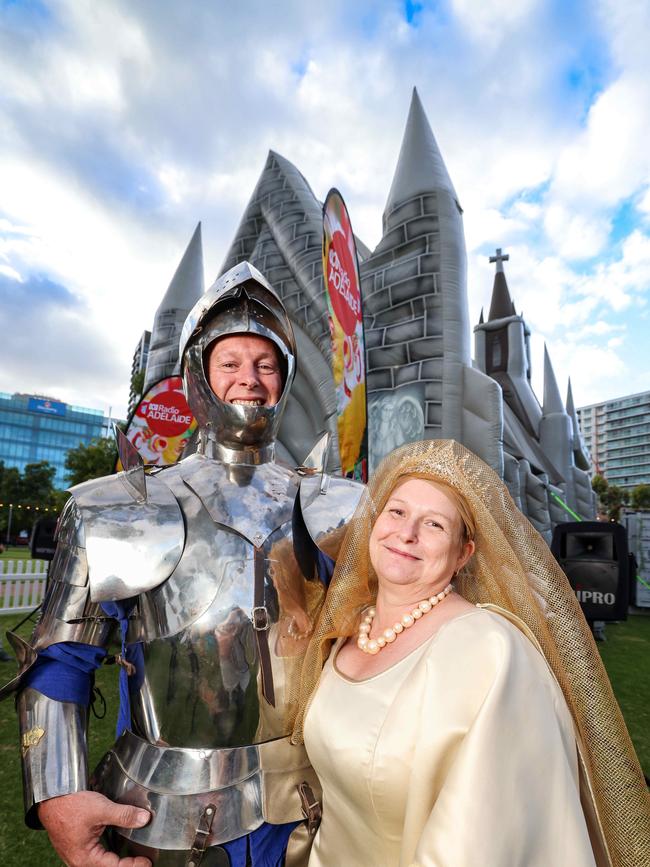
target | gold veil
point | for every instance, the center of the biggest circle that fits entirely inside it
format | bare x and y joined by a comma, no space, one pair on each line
512,568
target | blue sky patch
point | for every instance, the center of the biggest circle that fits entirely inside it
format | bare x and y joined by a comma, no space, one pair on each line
118,175
35,292
624,221
412,10
299,66
26,14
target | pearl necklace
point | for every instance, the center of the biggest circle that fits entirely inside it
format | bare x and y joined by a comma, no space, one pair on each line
374,645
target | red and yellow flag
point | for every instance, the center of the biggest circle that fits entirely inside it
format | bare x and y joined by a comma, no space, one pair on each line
341,274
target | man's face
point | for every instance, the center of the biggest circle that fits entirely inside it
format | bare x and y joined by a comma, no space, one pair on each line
244,369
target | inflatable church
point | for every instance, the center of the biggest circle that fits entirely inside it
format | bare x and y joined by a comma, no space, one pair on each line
422,381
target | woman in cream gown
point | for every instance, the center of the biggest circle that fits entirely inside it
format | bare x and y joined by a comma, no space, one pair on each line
472,727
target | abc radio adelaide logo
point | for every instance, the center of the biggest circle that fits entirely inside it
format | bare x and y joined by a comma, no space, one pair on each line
167,414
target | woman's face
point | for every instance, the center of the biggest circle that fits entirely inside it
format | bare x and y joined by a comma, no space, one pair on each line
416,540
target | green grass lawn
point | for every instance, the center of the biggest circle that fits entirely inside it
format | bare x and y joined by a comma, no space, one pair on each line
16,552
626,655
18,845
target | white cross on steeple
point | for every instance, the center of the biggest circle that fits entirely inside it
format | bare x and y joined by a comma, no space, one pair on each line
500,258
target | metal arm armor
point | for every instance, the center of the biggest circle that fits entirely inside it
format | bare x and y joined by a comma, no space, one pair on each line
327,504
67,612
111,545
53,749
101,528
53,733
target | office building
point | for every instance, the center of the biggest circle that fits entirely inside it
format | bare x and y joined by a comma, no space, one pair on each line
138,365
617,433
35,428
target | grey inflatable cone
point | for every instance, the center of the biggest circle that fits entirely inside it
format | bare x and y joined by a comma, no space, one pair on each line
552,400
420,166
571,410
184,291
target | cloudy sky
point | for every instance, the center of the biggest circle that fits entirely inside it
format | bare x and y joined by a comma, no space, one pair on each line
125,122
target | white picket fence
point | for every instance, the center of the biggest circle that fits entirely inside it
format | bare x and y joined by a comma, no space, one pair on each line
22,584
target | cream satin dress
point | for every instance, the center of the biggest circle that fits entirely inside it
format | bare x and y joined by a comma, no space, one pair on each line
462,754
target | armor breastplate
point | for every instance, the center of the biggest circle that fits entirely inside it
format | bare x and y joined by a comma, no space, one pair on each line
199,682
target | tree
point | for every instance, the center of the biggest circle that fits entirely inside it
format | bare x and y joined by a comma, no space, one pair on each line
614,499
30,493
611,498
640,498
90,461
137,383
599,484
38,483
9,484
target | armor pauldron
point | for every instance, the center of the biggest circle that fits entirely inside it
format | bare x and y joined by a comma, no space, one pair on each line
131,545
327,503
53,746
69,564
248,785
69,528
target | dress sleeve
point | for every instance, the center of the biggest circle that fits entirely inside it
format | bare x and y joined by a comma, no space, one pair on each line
499,786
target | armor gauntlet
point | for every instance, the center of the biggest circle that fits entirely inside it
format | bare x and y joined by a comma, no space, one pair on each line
53,733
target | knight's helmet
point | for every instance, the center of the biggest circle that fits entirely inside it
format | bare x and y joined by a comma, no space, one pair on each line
241,301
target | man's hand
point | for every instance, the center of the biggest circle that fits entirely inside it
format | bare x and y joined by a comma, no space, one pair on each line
76,822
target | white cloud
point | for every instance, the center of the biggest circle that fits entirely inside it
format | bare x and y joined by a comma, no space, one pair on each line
625,281
575,235
8,271
124,124
593,369
610,160
599,327
491,19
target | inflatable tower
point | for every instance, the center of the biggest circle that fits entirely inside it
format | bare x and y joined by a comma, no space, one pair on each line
185,289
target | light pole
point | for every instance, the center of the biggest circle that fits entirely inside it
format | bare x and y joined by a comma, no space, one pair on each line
11,512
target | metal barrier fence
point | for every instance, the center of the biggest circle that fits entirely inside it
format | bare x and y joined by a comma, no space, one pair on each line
22,584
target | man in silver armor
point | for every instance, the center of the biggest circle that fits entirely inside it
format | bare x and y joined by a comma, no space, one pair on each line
210,568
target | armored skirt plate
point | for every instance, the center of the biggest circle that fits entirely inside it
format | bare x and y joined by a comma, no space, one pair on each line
214,856
248,786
